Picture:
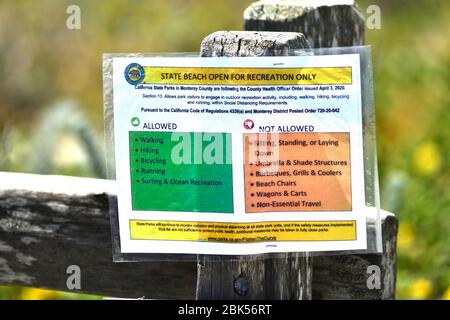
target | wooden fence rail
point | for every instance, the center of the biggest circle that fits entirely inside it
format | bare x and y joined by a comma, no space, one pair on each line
48,223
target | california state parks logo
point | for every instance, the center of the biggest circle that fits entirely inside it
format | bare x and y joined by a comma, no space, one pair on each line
134,73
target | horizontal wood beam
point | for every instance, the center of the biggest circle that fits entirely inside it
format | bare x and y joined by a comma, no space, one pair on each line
48,223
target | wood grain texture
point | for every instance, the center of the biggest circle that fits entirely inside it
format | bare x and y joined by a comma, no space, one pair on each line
270,276
280,276
342,275
48,223
336,24
251,44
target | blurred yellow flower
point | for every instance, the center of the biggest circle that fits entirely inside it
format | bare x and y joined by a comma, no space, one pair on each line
427,159
406,236
38,294
420,289
446,295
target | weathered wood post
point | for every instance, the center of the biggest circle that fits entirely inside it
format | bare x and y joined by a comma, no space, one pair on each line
325,23
336,23
284,276
257,277
332,23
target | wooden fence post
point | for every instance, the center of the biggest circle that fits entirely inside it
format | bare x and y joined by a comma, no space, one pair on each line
330,23
333,23
282,276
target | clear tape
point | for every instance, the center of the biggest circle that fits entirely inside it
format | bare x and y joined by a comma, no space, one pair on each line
374,215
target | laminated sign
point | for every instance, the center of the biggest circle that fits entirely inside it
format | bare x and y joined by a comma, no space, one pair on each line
238,155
